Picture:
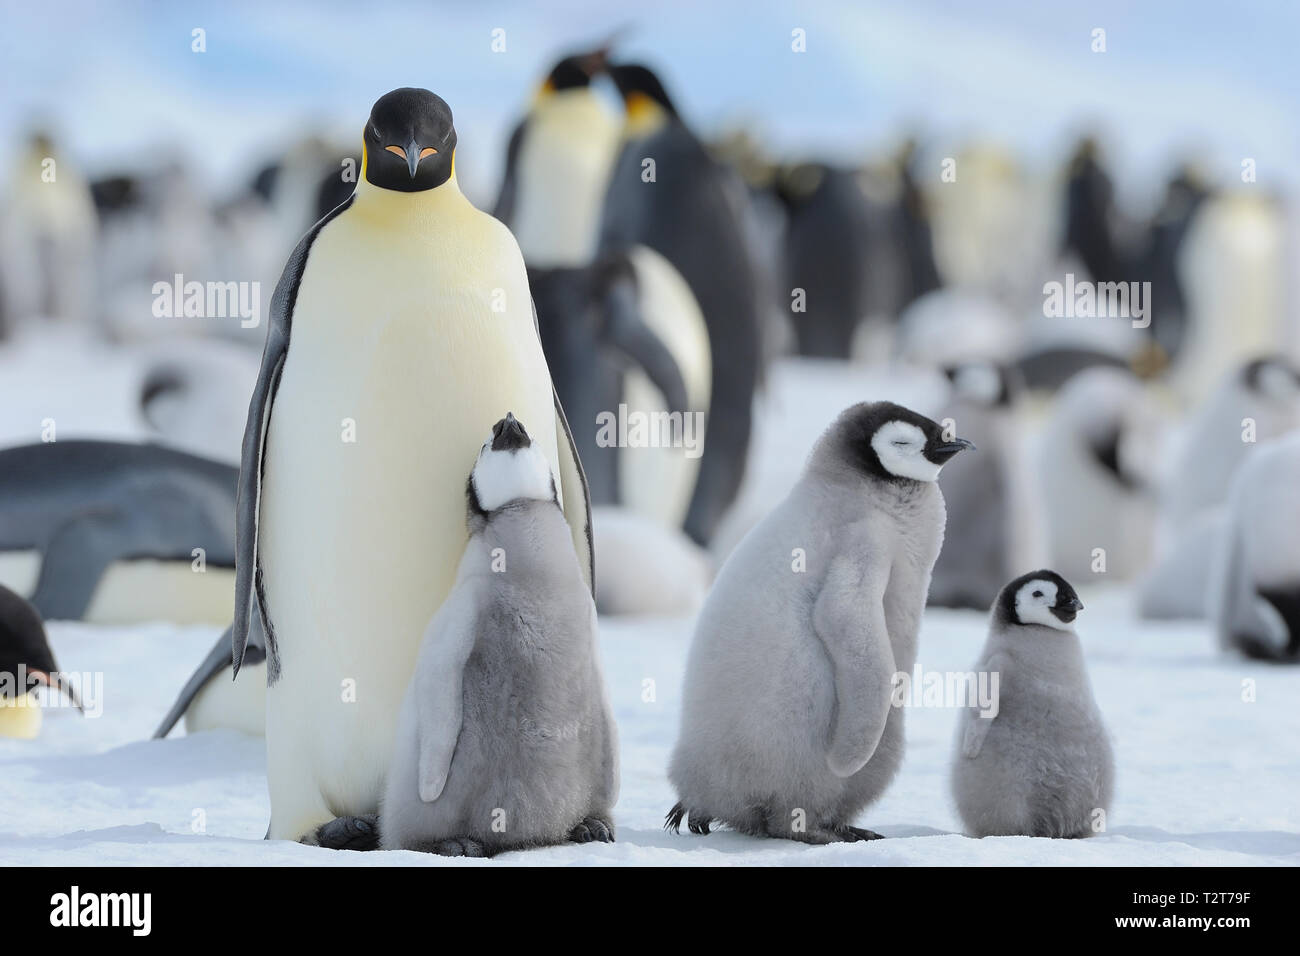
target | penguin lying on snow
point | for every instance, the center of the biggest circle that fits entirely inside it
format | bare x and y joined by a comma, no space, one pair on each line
114,527
25,661
1255,592
1040,764
787,726
505,738
400,328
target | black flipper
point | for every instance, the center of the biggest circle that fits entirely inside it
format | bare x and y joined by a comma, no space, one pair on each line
626,331
248,577
73,563
216,663
505,207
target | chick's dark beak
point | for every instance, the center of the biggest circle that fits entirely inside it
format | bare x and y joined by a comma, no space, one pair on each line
940,452
509,434
1068,610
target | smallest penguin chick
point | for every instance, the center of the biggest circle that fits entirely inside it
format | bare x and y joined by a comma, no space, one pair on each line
505,739
1037,762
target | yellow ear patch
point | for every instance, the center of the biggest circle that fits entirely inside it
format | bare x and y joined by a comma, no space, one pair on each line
643,114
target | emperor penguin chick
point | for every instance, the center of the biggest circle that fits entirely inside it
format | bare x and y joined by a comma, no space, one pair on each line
787,728
505,739
1038,763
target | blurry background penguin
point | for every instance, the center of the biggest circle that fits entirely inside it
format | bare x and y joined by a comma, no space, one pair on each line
26,665
858,243
1255,586
47,235
1097,461
619,329
693,215
1254,403
988,496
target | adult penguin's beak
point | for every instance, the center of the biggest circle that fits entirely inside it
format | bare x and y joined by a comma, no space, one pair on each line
412,157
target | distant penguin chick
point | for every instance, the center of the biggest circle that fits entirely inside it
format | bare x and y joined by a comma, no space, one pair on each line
1038,762
1096,464
980,539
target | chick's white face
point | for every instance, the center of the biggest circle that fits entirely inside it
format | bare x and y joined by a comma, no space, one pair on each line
1034,602
504,476
900,446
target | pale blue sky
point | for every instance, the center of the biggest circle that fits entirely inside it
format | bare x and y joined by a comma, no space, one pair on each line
118,79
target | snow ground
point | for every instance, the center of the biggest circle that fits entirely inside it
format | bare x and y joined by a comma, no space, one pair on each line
1204,777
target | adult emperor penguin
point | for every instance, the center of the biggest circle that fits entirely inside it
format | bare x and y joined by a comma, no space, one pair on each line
1255,589
1039,763
506,739
400,329
604,328
788,728
115,532
26,661
666,192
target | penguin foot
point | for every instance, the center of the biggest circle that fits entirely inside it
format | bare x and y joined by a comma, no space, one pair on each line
856,834
673,818
460,847
592,828
698,823
348,833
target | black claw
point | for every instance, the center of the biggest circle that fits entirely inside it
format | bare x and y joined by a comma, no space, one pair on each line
673,819
855,834
698,824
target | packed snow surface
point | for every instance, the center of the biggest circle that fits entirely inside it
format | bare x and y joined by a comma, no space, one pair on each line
1206,745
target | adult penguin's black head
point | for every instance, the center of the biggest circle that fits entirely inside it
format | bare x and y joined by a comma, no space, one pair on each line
410,141
25,656
643,93
575,72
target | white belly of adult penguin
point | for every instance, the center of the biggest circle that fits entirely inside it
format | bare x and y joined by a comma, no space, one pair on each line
788,725
401,329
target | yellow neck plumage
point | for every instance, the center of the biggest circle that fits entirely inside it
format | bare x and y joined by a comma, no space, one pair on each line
20,717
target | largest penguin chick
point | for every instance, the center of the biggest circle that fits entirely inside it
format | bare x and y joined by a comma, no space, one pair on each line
505,738
787,727
1039,764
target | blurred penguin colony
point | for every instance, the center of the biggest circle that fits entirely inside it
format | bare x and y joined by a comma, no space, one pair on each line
1129,376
